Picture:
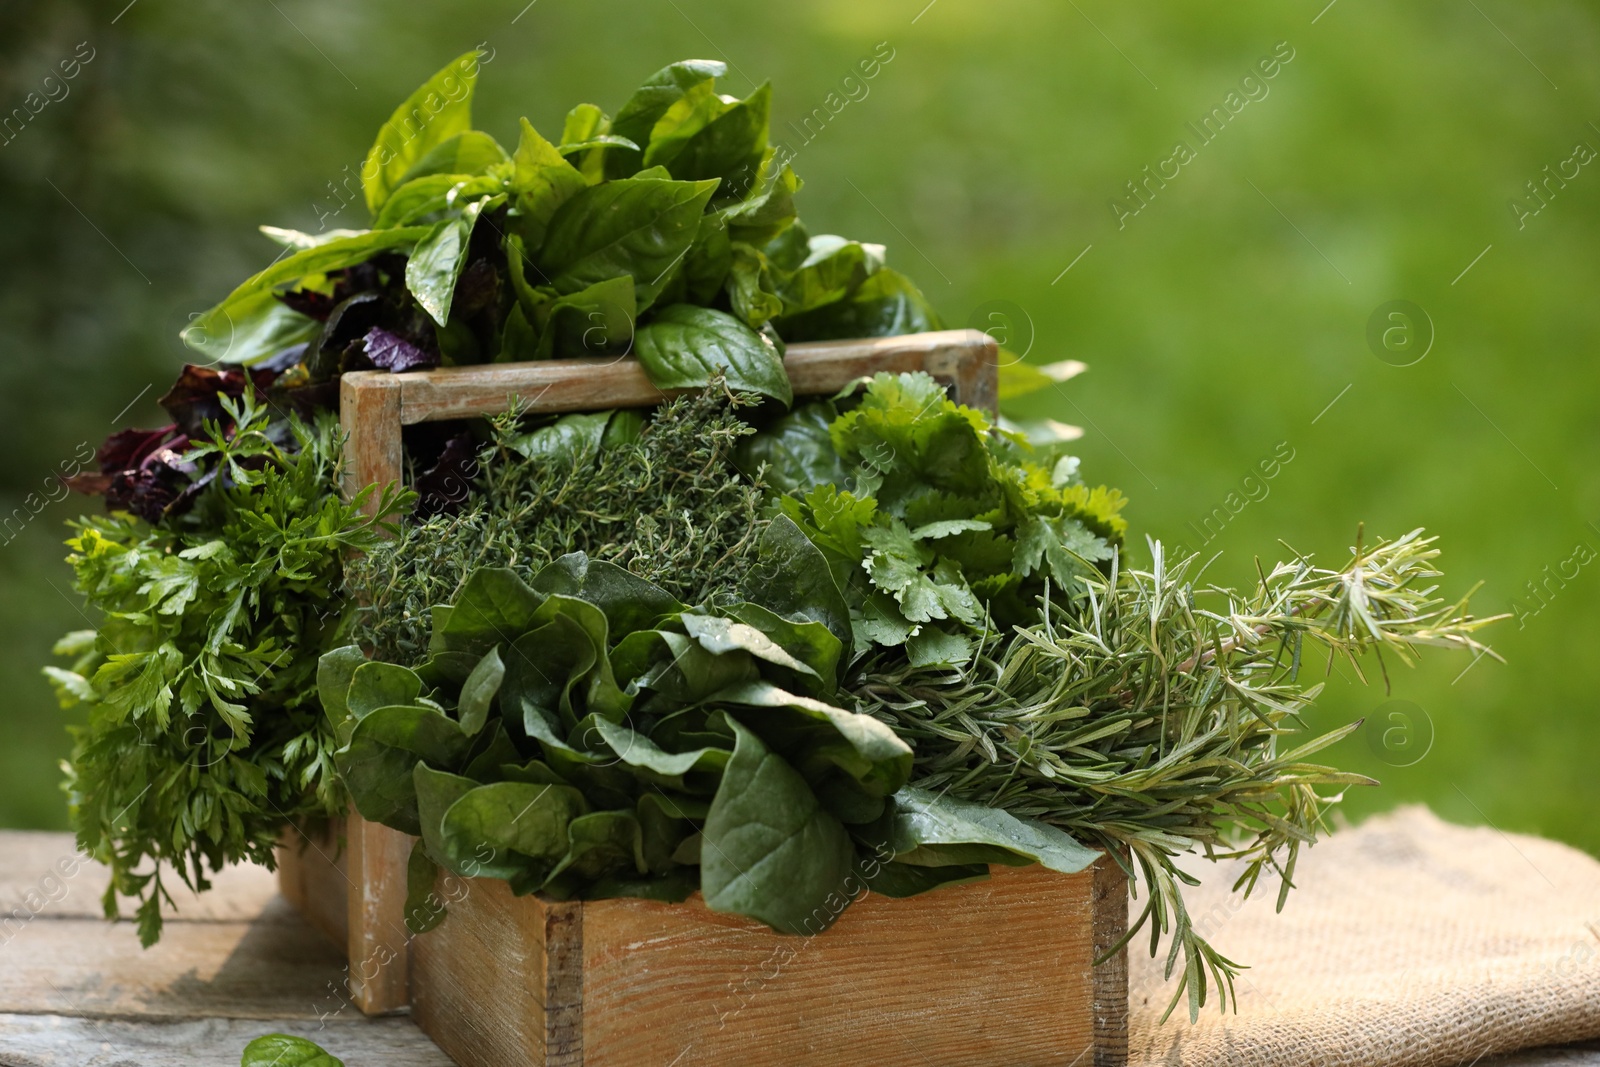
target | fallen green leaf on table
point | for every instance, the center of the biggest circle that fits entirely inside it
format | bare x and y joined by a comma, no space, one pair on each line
285,1050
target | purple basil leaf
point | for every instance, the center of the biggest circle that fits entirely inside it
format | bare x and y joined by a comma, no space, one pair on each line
391,352
446,486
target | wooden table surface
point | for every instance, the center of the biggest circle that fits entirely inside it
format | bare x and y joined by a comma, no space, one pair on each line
234,963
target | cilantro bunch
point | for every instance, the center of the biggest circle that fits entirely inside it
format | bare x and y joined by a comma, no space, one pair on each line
938,526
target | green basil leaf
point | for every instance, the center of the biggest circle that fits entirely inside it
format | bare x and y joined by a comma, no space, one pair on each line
770,850
297,241
586,122
541,182
438,260
634,227
684,346
714,140
470,152
834,268
440,109
604,140
478,692
752,286
233,331
649,102
595,321
421,197
769,210
796,449
284,1050
932,829
572,439
886,304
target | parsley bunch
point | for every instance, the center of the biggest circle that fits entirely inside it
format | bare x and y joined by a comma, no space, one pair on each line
204,735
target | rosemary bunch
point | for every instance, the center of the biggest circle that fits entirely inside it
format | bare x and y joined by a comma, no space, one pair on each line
1148,717
664,501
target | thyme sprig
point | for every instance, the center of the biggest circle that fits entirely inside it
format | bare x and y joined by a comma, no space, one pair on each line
1151,717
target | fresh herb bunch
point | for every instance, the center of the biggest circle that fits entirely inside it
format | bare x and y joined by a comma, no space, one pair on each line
586,735
1146,717
938,526
204,733
668,232
660,497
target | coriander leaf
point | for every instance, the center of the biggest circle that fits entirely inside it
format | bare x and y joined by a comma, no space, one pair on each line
770,851
684,346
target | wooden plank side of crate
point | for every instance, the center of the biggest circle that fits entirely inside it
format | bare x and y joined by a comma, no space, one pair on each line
997,972
963,359
494,982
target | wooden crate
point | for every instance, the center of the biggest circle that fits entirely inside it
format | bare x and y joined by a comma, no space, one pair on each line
999,972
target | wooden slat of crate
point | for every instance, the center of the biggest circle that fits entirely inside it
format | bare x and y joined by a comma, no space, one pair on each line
989,974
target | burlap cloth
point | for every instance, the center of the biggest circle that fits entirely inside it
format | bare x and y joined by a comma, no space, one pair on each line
1408,942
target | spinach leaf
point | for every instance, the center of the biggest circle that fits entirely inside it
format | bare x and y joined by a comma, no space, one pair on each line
907,880
811,732
684,346
478,691
522,825
440,109
384,747
770,851
935,829
792,578
423,910
380,685
634,227
494,606
335,669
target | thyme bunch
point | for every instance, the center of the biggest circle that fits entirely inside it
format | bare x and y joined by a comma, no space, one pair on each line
669,505
1151,717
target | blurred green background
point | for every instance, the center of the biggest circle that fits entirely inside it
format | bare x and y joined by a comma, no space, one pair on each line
1225,321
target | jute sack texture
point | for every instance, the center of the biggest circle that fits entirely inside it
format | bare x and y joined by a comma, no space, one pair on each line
1408,942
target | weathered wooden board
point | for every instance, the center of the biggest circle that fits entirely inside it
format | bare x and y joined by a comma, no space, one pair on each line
64,1041
998,972
232,964
44,876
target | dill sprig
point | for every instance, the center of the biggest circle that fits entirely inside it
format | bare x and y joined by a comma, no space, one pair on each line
1150,717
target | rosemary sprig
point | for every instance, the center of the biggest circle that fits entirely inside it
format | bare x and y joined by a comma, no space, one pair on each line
1147,716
